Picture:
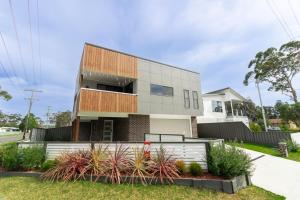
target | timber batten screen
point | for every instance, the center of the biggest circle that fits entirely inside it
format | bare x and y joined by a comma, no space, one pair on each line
103,101
97,59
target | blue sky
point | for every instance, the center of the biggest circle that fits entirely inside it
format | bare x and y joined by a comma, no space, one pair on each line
216,38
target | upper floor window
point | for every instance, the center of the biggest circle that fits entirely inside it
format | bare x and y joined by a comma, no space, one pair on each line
161,90
217,106
186,95
195,100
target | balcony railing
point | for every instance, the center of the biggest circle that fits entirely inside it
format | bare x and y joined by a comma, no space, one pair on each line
92,100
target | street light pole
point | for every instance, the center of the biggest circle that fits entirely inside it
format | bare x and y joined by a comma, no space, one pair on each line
262,107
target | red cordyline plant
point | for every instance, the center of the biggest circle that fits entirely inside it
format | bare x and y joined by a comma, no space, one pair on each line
164,166
140,166
70,166
97,164
118,163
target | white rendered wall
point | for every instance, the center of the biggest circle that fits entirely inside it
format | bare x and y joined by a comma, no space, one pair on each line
171,126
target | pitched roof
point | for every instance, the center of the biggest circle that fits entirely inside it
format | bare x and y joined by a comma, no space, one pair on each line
223,90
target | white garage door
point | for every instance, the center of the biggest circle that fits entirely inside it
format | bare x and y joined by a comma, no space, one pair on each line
170,126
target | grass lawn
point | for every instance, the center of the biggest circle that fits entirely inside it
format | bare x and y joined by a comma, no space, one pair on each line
32,188
267,150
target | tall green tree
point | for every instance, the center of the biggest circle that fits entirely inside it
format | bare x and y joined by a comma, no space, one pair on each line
61,119
32,122
289,112
10,120
5,95
277,67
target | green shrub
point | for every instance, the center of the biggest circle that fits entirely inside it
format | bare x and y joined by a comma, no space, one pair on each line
31,157
48,164
181,166
195,169
284,127
10,157
228,161
292,146
255,127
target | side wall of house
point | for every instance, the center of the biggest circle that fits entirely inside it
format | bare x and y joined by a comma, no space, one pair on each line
160,74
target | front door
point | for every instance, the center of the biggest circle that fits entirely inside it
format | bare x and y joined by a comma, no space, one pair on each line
108,130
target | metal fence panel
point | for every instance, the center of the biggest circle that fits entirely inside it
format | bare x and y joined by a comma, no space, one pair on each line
240,132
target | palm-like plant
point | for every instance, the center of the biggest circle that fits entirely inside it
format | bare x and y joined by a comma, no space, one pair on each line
97,164
164,166
140,166
70,166
118,163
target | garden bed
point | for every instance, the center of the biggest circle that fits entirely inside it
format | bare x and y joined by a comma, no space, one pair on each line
208,181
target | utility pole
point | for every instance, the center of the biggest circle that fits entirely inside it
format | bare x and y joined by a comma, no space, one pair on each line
30,99
48,116
262,107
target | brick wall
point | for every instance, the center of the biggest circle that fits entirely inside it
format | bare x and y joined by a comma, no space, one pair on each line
194,127
138,126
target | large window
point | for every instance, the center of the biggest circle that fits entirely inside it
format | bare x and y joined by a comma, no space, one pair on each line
195,100
161,90
217,106
186,95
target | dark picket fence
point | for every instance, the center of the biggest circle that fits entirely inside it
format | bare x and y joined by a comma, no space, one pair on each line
51,134
240,132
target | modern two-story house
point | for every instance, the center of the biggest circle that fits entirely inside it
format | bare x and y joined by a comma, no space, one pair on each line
121,97
224,105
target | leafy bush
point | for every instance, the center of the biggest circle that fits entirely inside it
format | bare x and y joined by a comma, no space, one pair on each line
255,127
228,161
10,156
70,166
181,167
164,166
48,164
284,127
292,146
195,169
31,157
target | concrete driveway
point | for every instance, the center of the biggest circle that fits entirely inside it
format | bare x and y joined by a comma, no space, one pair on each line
278,175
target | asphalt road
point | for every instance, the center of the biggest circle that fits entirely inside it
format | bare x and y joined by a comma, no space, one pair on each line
10,138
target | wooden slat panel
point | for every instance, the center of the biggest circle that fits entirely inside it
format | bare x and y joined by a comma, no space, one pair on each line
101,60
100,101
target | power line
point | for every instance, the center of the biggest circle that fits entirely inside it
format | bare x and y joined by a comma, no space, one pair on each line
294,13
30,35
39,40
282,23
8,55
17,38
7,75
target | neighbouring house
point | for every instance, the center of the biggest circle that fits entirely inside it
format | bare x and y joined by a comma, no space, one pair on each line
278,122
121,97
224,105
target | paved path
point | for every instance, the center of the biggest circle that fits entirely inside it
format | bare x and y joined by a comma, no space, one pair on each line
278,175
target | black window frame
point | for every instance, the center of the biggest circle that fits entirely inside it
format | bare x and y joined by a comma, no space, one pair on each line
220,108
195,100
187,103
161,90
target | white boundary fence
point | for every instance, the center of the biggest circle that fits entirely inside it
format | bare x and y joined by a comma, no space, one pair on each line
186,151
296,137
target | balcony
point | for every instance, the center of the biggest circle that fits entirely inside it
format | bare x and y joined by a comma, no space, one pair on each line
92,100
104,61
